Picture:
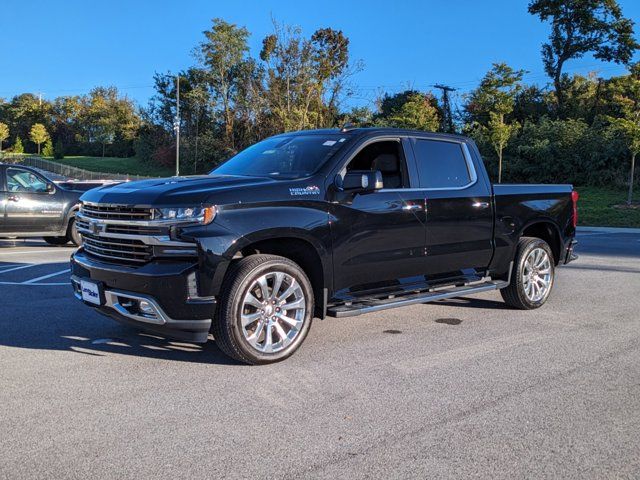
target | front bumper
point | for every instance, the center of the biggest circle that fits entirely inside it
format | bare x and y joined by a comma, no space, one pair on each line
172,310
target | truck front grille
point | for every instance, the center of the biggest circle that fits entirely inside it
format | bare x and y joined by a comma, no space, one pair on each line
117,249
127,235
115,212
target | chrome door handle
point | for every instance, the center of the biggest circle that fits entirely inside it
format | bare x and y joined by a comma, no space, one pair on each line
412,208
13,198
481,204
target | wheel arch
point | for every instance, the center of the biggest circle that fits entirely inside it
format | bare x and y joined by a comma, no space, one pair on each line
549,232
298,247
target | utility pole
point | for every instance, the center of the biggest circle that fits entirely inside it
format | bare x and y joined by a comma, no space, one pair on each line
447,117
176,125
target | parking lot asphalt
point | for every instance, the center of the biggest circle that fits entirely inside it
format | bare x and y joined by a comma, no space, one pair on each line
458,388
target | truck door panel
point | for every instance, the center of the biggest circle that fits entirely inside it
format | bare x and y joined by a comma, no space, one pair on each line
29,206
459,214
379,236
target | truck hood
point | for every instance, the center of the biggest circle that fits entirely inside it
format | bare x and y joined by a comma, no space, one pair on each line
173,191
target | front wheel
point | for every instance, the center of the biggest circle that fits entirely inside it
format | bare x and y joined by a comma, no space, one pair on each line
532,275
72,233
265,311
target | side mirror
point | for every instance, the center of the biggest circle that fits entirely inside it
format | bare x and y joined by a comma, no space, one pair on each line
360,181
51,187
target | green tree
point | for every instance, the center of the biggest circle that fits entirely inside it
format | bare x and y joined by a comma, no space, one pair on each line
106,117
58,150
499,133
47,150
627,124
38,134
416,112
222,54
491,103
17,146
305,76
4,133
579,27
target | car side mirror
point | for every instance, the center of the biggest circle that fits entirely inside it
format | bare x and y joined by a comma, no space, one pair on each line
51,188
360,181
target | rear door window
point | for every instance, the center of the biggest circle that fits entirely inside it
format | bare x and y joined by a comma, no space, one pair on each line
441,164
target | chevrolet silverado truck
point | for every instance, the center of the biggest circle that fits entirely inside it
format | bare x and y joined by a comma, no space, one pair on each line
32,205
311,224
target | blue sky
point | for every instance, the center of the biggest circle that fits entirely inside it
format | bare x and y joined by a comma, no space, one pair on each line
66,47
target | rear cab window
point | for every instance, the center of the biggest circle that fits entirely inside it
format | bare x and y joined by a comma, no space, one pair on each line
442,164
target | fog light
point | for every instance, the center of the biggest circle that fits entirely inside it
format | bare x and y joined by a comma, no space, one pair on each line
146,308
192,285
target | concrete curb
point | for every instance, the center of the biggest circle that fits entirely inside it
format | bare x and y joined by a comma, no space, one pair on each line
607,230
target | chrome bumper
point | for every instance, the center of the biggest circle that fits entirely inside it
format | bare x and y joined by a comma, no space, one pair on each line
125,305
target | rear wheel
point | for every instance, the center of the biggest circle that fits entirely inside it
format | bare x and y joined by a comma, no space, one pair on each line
532,275
265,311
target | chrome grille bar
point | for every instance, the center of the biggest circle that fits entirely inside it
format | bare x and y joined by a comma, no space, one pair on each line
125,234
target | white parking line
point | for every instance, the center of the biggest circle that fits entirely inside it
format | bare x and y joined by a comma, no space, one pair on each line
44,277
36,284
19,268
24,252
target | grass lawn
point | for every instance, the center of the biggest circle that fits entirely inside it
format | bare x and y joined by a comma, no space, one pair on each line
131,165
596,207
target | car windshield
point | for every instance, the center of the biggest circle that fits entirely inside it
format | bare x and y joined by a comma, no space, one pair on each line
283,156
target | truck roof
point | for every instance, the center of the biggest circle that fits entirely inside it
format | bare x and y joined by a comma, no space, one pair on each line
362,131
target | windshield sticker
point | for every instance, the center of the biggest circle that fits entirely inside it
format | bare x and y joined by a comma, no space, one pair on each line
329,143
310,190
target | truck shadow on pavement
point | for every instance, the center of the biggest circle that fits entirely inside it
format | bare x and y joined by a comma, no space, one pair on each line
49,317
471,302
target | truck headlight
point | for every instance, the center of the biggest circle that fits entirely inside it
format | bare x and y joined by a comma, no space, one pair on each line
200,215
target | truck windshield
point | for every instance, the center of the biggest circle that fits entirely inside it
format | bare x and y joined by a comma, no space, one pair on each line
283,156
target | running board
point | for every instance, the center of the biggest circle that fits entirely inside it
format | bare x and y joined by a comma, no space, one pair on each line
375,305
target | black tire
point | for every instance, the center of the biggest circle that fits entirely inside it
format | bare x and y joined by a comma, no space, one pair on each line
515,295
72,233
56,240
227,327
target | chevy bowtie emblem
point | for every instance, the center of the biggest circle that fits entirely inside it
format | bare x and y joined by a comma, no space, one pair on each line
95,227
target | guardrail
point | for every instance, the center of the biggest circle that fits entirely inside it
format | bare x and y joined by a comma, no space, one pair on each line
66,171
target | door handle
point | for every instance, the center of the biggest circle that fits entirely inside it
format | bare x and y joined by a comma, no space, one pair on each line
481,204
13,198
412,208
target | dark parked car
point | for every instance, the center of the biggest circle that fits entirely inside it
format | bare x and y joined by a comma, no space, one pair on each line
316,223
32,205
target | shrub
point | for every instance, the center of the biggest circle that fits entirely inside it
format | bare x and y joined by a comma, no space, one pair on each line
47,150
18,147
58,150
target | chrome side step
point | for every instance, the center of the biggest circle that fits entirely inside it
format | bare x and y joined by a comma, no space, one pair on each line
375,305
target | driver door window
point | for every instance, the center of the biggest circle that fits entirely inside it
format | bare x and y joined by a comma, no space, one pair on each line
379,236
20,180
387,157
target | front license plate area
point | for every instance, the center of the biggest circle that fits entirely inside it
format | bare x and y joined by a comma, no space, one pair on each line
91,292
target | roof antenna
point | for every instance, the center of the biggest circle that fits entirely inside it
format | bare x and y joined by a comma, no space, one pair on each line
347,126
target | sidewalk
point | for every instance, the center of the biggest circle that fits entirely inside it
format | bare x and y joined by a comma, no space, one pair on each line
607,230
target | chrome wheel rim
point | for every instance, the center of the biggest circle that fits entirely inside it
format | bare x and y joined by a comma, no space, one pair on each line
537,275
273,312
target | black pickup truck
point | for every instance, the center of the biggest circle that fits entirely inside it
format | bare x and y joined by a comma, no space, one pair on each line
32,205
316,223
